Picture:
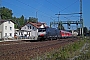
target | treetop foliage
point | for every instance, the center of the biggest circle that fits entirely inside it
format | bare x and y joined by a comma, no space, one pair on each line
8,14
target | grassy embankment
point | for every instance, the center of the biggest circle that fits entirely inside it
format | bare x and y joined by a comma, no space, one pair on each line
79,50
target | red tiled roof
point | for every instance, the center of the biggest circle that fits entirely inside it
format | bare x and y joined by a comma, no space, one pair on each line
37,25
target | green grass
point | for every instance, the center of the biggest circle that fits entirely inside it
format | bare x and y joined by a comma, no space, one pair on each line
85,56
67,52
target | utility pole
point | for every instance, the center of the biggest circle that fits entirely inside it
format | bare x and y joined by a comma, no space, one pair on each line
58,16
81,19
60,24
36,17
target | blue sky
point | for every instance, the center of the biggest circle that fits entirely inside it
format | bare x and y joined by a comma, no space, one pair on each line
46,9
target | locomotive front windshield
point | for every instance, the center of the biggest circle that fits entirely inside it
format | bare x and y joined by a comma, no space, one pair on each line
41,29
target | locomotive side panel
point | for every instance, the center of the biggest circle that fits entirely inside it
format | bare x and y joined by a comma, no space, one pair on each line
52,33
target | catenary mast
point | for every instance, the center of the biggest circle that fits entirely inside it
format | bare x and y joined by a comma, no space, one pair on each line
81,19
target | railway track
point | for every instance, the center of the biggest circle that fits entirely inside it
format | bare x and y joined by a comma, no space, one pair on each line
31,48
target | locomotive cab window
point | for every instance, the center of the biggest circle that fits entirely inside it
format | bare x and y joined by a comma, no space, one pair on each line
41,29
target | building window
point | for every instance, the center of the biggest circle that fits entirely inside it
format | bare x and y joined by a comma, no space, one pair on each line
5,27
19,33
33,27
5,34
10,28
25,27
10,34
30,27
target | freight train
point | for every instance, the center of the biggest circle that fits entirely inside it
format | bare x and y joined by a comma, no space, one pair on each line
52,33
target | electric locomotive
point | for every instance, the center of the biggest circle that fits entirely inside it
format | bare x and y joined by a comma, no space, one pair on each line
52,33
48,33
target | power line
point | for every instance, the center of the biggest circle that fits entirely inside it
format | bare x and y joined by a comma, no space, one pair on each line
62,5
28,6
58,3
44,6
43,13
34,8
52,4
64,8
69,5
15,5
25,4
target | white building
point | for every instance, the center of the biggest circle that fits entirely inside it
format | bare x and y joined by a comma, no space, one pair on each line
6,29
30,29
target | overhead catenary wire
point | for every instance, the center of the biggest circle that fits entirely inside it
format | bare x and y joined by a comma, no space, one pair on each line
69,5
15,5
62,5
65,7
51,10
45,14
42,12
53,4
45,6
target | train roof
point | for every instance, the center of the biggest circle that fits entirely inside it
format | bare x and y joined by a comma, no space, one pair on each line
65,31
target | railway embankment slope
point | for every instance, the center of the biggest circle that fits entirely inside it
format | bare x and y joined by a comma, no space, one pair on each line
79,50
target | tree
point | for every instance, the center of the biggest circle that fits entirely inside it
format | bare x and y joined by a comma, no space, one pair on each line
25,21
60,26
15,20
21,20
6,13
85,30
89,33
32,19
